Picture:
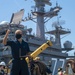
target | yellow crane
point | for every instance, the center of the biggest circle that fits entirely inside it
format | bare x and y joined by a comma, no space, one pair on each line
39,50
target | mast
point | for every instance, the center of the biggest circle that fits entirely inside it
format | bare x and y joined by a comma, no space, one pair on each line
40,13
58,31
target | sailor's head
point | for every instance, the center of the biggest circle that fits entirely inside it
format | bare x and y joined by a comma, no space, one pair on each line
68,65
18,34
2,65
59,69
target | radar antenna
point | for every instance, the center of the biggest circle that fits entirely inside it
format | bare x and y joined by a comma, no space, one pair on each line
58,23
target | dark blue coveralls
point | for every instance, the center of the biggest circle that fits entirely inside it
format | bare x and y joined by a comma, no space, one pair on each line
19,65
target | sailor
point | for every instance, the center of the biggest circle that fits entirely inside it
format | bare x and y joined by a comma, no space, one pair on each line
19,49
2,67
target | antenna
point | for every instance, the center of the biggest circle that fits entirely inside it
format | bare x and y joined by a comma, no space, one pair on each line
56,3
58,23
17,17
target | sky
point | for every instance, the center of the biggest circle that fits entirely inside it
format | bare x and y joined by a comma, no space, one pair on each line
7,7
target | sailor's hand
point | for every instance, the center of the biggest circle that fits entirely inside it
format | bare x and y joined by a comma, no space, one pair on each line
30,58
8,31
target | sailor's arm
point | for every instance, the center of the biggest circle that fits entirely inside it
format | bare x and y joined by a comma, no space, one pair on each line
5,37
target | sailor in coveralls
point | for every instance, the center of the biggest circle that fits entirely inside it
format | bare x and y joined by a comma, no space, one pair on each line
19,48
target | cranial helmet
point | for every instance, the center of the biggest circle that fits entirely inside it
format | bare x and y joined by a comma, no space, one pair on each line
2,63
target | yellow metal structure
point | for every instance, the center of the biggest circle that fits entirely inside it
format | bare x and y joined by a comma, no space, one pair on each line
39,50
